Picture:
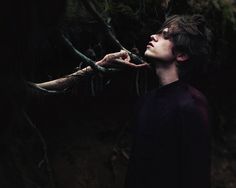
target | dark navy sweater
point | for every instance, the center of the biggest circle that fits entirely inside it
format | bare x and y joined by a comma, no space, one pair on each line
171,147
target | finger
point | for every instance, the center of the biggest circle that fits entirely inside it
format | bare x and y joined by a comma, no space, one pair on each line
116,55
129,64
143,65
126,56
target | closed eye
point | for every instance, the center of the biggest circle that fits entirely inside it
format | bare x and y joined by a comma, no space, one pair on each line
164,33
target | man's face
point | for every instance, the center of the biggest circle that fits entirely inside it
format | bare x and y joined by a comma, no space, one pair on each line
160,47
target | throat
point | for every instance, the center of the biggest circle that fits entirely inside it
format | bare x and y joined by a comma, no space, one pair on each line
167,74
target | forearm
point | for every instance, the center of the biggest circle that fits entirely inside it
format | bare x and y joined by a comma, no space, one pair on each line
66,81
119,58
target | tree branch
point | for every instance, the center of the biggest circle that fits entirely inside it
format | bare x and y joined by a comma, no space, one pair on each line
168,7
77,54
61,85
49,170
107,28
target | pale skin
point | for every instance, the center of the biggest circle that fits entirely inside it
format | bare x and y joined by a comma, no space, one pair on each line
107,61
159,51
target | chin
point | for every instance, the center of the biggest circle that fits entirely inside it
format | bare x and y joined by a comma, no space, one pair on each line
148,54
153,60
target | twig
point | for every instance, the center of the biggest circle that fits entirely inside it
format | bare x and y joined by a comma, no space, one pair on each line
44,147
77,54
125,155
169,8
107,28
62,84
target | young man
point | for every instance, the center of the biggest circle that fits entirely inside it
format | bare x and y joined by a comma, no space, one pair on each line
171,148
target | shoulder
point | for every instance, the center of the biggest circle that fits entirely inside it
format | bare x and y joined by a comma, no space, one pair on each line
191,97
193,104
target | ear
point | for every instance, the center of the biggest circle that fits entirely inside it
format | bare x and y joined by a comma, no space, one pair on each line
182,57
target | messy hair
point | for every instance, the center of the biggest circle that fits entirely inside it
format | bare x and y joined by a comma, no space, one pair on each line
191,36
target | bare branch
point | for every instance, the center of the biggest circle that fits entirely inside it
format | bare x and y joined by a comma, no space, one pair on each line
61,85
84,58
107,28
168,5
90,7
46,160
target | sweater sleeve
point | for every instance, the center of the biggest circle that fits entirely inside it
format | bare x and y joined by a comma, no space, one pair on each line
195,147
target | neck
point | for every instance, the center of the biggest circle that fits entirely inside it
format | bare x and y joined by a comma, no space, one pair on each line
167,74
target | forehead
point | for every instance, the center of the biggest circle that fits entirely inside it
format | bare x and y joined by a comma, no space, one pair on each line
165,29
170,28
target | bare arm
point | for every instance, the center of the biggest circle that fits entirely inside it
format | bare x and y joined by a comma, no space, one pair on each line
118,59
66,81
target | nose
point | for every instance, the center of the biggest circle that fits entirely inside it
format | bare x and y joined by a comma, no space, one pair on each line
154,37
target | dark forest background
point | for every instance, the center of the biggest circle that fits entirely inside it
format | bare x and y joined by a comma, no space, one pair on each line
82,137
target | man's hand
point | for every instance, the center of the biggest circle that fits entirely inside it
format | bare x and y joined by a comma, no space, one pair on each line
119,60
